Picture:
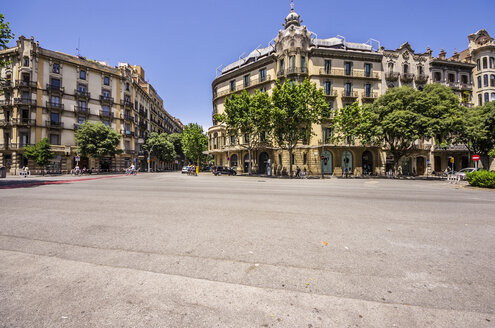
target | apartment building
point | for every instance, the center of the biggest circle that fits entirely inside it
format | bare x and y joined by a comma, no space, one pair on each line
348,72
49,94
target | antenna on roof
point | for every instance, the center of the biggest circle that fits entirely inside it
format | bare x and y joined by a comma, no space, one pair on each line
78,46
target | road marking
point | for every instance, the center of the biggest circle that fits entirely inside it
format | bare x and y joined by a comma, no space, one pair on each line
32,184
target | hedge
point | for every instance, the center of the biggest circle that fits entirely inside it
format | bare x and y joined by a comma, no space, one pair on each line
484,179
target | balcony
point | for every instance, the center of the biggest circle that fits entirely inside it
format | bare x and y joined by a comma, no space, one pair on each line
4,123
127,133
281,72
391,76
451,147
353,73
54,124
421,78
19,145
106,99
82,94
406,77
331,93
466,86
297,70
5,103
82,110
24,102
23,121
127,117
106,114
54,88
142,112
54,106
126,103
25,84
370,95
7,84
351,94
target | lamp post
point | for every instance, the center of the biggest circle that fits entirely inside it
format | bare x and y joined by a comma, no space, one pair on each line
148,159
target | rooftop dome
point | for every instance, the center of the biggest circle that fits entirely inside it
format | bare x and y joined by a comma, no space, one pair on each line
292,18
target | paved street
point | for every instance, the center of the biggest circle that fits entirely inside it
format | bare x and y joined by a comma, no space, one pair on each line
170,250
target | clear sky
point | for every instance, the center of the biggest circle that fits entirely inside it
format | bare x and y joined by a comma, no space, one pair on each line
181,43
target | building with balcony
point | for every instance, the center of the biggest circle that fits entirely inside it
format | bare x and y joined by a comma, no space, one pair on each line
348,72
49,94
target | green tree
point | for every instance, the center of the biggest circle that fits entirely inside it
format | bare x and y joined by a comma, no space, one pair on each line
296,107
194,142
160,146
248,116
40,153
176,140
97,140
5,36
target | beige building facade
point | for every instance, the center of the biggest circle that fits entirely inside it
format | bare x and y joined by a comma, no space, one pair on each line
347,72
48,94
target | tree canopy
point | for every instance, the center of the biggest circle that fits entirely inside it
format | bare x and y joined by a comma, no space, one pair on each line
97,140
40,153
194,142
5,36
160,146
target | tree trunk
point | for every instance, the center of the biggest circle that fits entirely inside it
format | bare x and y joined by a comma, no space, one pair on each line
250,162
290,163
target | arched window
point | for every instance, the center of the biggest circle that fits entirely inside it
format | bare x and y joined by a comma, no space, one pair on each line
26,61
390,67
479,82
492,62
492,80
478,64
487,97
437,76
480,100
485,62
406,68
493,96
485,80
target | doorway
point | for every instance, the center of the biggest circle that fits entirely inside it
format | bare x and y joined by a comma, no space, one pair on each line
420,165
263,163
246,163
327,162
347,161
367,159
438,164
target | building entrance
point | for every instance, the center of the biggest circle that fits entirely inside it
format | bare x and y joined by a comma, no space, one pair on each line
420,165
367,159
263,163
327,162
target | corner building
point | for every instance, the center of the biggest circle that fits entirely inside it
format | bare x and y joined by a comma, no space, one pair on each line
346,71
48,94
349,72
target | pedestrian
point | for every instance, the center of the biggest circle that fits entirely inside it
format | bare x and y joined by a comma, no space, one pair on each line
298,172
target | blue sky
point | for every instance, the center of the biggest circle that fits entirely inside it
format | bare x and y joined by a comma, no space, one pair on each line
181,43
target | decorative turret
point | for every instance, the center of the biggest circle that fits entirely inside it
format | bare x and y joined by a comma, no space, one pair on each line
292,18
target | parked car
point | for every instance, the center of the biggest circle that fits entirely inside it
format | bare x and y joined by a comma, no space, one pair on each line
462,173
184,169
219,170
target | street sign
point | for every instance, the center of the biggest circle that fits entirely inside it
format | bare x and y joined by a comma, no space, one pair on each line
475,158
452,159
77,158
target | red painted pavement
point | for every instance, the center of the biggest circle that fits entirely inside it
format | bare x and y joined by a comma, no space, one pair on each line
32,184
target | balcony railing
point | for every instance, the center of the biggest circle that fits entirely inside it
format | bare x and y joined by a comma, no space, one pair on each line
391,76
331,93
352,73
351,94
370,95
54,105
297,70
82,94
25,84
82,110
127,133
5,122
106,99
451,147
5,103
127,117
23,121
126,103
466,86
19,145
5,84
106,113
53,87
23,101
54,124
406,77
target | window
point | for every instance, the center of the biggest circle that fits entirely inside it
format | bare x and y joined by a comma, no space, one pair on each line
81,119
464,79
55,84
367,69
56,68
26,61
232,85
420,70
54,139
492,80
292,62
485,62
106,109
451,77
232,140
55,118
406,68
281,65
485,80
55,101
348,68
328,66
367,90
82,75
82,88
328,87
480,100
390,67
487,97
479,82
303,64
106,94
127,86
262,74
215,109
215,92
292,159
492,64
348,89
25,95
327,134
246,138
106,122
246,81
305,159
280,159
106,80
493,96
478,66
82,104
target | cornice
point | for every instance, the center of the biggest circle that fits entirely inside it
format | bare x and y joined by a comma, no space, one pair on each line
244,69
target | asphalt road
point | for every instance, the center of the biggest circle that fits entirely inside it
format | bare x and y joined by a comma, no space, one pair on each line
169,250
